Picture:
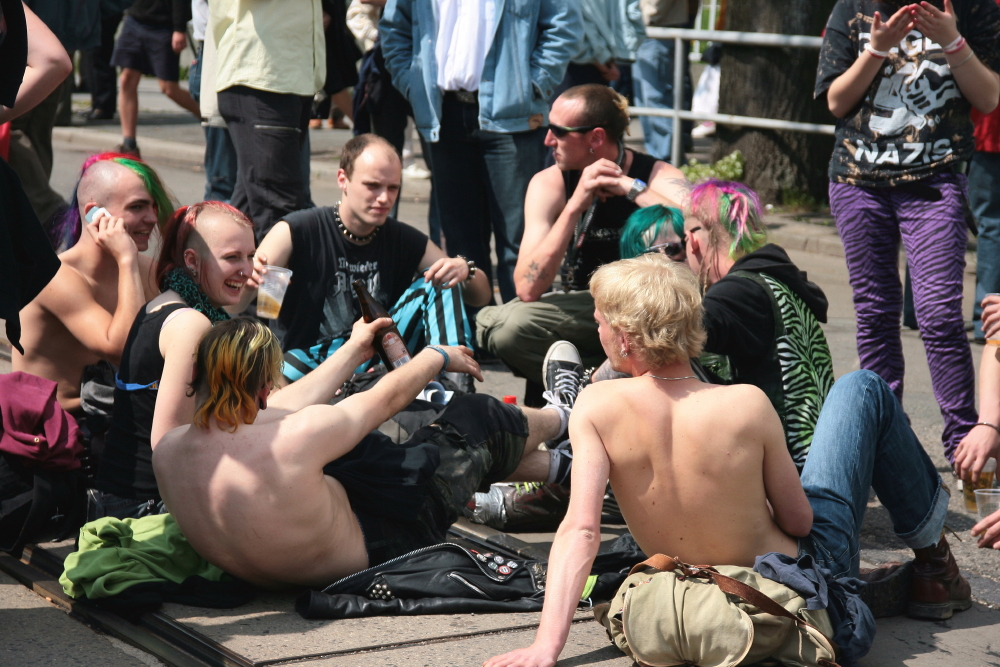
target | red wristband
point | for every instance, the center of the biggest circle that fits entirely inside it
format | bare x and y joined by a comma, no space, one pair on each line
955,46
881,55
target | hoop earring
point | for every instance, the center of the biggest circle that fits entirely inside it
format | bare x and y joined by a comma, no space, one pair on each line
623,353
591,151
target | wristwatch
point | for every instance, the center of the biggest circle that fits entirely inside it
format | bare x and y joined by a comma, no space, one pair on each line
472,267
638,187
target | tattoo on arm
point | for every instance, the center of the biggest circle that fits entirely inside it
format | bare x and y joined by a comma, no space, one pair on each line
534,273
682,186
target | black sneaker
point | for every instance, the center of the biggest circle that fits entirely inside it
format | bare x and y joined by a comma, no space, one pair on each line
95,115
125,150
562,373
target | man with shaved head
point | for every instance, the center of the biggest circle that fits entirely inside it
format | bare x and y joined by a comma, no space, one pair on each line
328,248
84,314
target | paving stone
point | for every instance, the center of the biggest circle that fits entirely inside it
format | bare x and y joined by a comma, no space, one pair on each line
969,639
587,644
270,629
34,632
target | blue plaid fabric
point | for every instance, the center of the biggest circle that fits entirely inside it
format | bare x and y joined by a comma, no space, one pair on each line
424,314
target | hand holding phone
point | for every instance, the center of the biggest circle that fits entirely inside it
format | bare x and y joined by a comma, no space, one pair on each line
94,212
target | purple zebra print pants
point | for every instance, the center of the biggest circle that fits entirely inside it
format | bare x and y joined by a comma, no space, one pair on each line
871,222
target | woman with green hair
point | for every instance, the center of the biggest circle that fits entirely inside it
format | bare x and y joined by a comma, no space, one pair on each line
654,228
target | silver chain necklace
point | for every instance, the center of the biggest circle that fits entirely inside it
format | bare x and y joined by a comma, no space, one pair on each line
686,377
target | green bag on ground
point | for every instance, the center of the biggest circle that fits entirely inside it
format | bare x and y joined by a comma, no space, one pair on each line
670,613
115,554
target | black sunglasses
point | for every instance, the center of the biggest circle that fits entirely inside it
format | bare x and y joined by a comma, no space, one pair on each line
672,249
668,249
561,131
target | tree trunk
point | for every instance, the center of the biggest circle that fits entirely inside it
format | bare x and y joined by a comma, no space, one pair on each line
772,82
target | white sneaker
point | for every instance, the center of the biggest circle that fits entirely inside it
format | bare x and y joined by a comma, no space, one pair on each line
703,130
416,171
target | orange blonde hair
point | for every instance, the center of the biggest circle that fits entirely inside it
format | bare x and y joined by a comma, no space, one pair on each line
235,360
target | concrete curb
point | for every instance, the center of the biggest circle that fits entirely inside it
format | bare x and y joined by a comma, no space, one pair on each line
821,245
82,138
98,140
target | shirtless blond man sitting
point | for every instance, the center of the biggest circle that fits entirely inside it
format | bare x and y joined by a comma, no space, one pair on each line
701,471
85,312
304,493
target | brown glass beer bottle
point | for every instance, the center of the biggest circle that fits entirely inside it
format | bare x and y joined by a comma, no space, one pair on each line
388,342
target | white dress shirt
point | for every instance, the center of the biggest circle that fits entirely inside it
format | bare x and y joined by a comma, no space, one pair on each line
465,32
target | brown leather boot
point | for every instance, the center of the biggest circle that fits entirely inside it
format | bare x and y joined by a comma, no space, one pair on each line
887,592
937,589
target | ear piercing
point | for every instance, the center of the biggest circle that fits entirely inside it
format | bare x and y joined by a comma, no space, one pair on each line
623,352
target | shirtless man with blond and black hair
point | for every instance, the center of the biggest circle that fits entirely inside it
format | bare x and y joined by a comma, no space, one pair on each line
295,491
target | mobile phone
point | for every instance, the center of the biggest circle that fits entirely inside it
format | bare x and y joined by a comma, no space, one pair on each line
94,212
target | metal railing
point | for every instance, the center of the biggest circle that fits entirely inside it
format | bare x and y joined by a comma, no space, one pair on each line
705,19
680,35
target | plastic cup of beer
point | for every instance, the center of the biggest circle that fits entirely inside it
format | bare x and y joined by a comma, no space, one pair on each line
986,477
995,338
272,292
987,502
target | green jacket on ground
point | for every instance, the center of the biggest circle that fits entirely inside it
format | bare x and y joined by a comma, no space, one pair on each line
115,554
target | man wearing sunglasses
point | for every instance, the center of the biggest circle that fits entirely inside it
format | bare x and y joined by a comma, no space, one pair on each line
573,216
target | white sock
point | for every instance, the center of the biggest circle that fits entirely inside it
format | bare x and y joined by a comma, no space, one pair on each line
563,419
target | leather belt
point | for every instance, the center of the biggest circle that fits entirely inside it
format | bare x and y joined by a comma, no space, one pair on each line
464,96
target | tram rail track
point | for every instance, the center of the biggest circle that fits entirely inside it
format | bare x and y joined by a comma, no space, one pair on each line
179,645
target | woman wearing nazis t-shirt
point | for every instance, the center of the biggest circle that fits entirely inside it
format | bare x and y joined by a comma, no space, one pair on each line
902,79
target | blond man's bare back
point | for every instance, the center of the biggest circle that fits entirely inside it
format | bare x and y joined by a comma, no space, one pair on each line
687,460
254,508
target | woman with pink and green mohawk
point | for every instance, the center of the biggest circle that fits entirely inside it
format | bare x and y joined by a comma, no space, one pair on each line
761,313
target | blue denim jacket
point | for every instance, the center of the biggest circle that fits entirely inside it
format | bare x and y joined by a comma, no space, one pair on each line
533,43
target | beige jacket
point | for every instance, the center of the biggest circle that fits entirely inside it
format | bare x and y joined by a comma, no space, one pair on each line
664,13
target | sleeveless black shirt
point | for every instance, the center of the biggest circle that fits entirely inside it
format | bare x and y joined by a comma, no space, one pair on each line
600,243
126,467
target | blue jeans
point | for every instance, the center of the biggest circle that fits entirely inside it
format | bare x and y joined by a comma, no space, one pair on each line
863,441
653,83
480,181
101,504
984,198
220,154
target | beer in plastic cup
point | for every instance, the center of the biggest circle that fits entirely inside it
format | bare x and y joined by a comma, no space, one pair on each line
986,477
987,502
272,292
995,338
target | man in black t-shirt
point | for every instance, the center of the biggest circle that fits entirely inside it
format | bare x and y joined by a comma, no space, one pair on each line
328,248
588,194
